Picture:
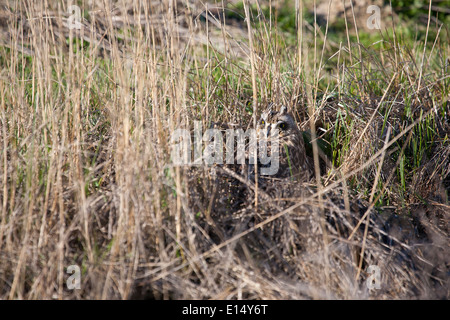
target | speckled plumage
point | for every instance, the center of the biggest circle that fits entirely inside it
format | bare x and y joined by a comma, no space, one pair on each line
293,162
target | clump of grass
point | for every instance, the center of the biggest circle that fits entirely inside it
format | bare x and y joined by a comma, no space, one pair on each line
86,117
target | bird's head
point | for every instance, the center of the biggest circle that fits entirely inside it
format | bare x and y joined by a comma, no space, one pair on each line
281,120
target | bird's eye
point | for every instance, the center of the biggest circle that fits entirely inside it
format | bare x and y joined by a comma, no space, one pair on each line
283,126
263,122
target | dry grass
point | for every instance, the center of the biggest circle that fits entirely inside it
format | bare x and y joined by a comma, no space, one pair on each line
86,117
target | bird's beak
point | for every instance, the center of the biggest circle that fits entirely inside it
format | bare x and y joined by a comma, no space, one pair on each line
268,131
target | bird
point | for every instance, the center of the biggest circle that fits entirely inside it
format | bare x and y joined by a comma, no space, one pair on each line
293,162
280,152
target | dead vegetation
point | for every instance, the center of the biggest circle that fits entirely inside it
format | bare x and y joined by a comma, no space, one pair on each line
86,116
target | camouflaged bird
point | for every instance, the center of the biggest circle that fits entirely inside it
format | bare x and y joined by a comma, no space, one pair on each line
293,161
